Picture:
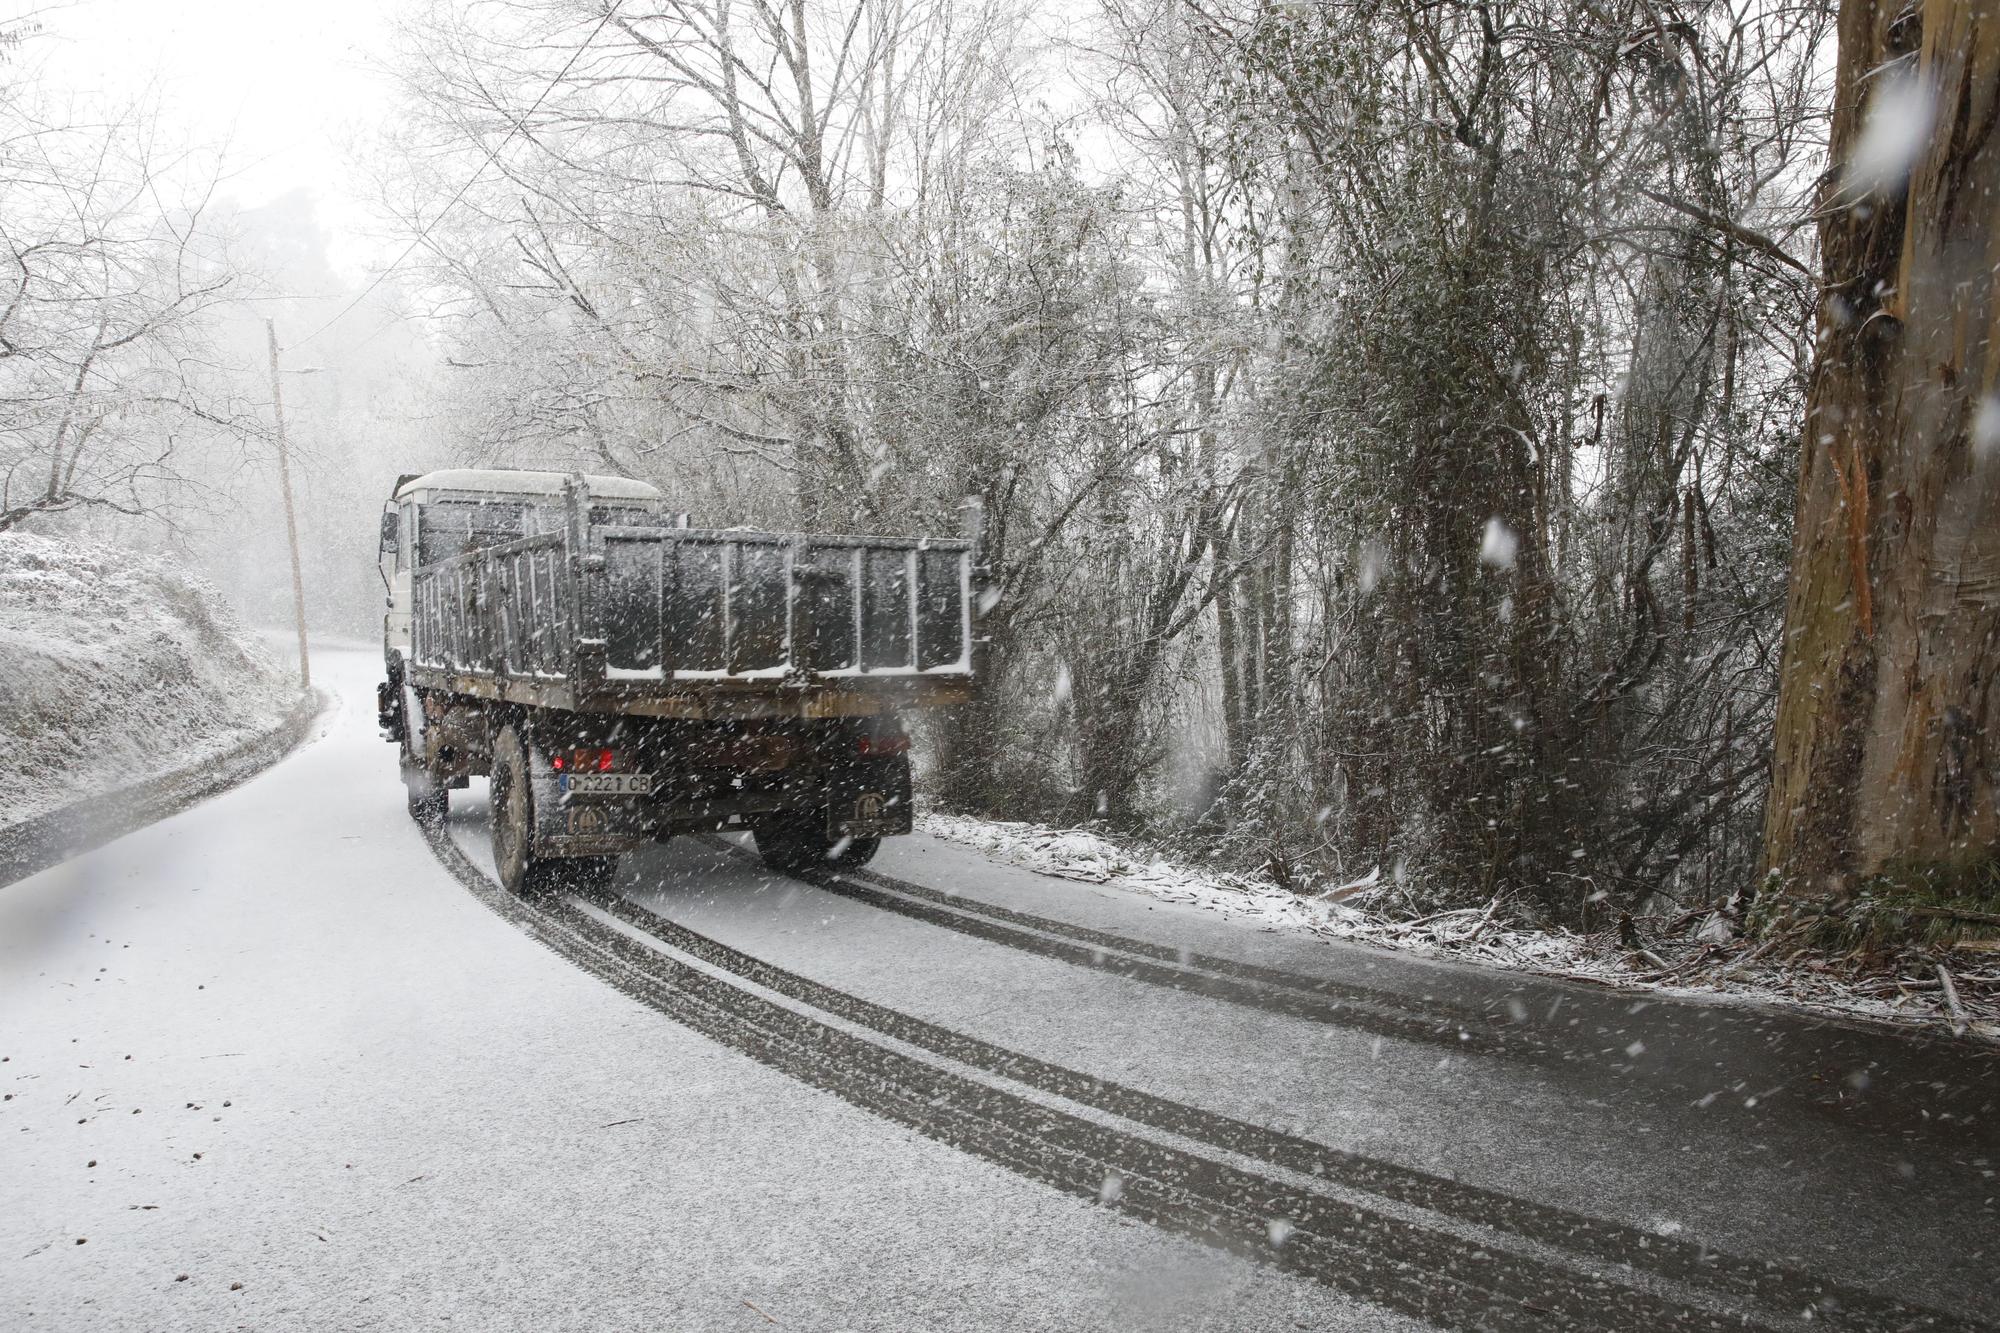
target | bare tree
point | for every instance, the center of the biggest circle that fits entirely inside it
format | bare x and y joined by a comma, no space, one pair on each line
109,277
702,202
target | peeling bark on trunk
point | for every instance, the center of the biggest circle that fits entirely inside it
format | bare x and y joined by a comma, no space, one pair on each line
1887,748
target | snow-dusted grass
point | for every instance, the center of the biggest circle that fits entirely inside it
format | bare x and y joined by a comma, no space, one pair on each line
115,667
1708,964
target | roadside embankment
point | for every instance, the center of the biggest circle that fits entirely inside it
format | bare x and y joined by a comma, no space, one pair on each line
127,687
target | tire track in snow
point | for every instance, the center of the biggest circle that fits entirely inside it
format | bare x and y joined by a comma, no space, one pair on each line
1780,1287
1810,1068
1424,1271
1315,999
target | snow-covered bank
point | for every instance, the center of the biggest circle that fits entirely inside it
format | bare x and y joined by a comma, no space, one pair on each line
114,667
1706,964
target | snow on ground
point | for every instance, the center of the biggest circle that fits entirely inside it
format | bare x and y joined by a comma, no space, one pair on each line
116,666
267,1065
1712,968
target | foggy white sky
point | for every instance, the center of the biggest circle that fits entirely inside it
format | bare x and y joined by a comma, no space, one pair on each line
284,83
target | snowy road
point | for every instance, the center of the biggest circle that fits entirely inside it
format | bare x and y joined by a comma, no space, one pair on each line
284,1040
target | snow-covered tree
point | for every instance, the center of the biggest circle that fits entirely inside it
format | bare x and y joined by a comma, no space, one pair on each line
109,281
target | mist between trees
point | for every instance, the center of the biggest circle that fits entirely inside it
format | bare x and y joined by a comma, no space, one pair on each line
1387,416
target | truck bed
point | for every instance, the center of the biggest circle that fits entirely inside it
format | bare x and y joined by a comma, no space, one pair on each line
699,623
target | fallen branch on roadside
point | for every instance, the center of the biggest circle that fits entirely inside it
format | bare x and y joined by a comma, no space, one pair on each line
1951,1000
1955,914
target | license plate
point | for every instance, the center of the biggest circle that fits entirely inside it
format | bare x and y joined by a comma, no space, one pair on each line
609,784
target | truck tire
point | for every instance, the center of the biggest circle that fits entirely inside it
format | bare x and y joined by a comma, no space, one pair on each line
521,871
513,807
798,844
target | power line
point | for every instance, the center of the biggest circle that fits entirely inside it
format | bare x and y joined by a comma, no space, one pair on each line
424,233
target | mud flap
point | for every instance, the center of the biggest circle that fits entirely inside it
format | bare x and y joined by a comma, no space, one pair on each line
592,829
389,710
870,800
569,826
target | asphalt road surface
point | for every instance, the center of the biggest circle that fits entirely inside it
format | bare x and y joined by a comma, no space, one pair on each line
285,1060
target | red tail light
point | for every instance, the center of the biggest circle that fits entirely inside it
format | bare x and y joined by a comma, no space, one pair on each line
556,762
604,761
584,760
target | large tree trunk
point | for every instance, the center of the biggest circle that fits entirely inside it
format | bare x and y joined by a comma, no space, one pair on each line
1886,753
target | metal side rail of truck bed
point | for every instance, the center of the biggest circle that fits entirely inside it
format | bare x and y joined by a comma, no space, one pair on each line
694,624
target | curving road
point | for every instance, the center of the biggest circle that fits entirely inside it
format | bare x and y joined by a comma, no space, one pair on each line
289,1046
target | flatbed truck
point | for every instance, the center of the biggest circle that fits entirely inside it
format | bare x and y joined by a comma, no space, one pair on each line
620,676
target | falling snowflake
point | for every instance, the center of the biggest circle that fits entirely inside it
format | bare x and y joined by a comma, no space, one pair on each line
1374,563
1986,428
1897,127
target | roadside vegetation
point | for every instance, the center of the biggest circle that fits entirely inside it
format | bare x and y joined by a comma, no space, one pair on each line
1388,419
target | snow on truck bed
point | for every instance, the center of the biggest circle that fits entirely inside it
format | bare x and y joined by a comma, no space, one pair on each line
115,667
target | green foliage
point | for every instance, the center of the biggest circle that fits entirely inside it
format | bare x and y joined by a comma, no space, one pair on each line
1906,905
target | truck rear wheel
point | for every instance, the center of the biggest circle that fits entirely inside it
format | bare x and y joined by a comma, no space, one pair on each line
513,805
521,871
797,844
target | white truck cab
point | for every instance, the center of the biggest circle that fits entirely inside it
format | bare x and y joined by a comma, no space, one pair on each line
436,515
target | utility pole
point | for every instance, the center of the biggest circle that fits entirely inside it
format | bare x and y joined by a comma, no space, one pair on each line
291,520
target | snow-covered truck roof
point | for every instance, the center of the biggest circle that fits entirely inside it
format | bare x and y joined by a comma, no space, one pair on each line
520,481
